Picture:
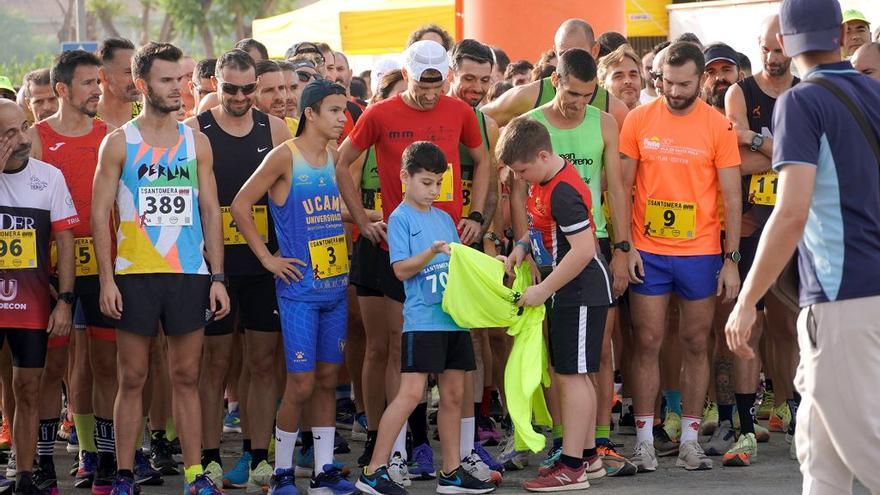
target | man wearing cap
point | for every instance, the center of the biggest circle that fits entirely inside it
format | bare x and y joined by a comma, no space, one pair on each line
241,136
312,302
722,72
826,169
856,31
7,91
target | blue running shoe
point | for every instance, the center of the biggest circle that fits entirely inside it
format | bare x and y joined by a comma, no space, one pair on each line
282,483
345,412
238,476
422,465
378,483
143,471
331,482
340,446
124,486
73,441
305,463
202,485
490,461
85,472
232,422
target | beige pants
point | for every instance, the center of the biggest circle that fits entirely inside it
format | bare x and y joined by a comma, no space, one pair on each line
838,431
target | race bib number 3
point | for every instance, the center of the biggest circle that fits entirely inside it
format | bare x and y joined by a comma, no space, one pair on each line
18,249
84,254
762,188
329,257
232,236
670,219
447,190
165,206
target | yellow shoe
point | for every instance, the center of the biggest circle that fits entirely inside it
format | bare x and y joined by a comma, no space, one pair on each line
672,425
780,419
710,419
767,405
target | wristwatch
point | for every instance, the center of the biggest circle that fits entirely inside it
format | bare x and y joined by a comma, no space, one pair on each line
219,277
492,236
733,256
68,297
476,216
623,246
757,142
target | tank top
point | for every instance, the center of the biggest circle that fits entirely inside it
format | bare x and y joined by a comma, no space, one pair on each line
235,160
160,228
309,228
371,195
546,92
583,146
467,166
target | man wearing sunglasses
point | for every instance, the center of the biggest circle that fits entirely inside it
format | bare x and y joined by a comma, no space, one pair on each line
200,81
241,136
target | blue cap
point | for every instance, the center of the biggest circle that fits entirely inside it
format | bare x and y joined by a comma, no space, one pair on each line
810,25
720,51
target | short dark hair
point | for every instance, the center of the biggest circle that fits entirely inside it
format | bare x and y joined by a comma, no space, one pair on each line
682,52
235,59
358,88
110,46
40,77
543,70
144,57
518,67
521,140
205,68
472,50
286,65
501,58
660,46
66,64
266,66
431,28
609,41
248,43
576,63
366,73
424,155
690,38
498,89
743,62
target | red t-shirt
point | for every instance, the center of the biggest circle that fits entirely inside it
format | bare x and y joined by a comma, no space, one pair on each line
391,125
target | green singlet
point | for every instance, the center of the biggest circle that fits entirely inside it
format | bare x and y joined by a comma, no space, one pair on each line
546,92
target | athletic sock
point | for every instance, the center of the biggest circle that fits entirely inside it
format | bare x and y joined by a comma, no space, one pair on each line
745,408
285,443
400,443
85,431
323,437
673,400
46,440
126,473
603,434
105,440
572,462
258,456
307,440
725,412
139,441
590,455
246,445
210,455
170,429
690,428
233,406
190,472
466,443
418,424
644,428
343,391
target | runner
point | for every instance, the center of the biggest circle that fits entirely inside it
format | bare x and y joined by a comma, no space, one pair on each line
120,99
519,73
312,302
188,66
867,60
856,31
431,32
254,48
34,205
166,197
648,93
200,84
619,73
240,138
271,90
39,97
329,61
675,233
722,72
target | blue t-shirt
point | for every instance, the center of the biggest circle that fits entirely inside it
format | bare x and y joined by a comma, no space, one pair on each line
410,232
840,250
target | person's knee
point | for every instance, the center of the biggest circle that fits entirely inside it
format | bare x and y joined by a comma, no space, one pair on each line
694,342
185,376
451,397
26,387
260,368
648,342
300,387
132,376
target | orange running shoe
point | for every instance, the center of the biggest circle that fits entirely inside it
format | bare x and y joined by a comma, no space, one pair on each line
5,437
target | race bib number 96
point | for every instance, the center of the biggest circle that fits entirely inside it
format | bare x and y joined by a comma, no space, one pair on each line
165,206
18,249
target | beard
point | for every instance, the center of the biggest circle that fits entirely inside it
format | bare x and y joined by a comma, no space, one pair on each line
681,102
22,152
235,112
159,104
778,70
715,95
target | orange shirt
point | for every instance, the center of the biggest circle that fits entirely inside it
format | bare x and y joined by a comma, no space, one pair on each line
676,200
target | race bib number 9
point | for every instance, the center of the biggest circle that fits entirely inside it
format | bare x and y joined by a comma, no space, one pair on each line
447,191
18,249
232,236
329,257
762,188
165,206
670,219
84,254
433,284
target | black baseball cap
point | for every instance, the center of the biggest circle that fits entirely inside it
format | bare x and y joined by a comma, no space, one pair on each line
720,51
314,92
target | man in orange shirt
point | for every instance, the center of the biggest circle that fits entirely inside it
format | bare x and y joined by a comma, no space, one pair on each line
679,150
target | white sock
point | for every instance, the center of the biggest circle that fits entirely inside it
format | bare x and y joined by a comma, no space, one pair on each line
400,443
644,428
466,444
285,443
690,428
324,437
233,406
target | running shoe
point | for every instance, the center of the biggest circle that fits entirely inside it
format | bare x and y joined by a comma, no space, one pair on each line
214,472
672,425
238,476
259,479
721,440
64,430
340,446
768,402
5,436
359,429
85,472
73,442
26,486
378,483
345,412
44,478
663,445
422,464
305,463
124,486
365,458
742,453
490,461
162,457
102,485
202,485
512,459
644,457
559,478
479,469
692,457
487,432
615,464
762,435
144,473
398,471
553,455
330,481
710,418
627,424
496,409
780,418
460,481
11,466
595,469
7,485
232,421
283,483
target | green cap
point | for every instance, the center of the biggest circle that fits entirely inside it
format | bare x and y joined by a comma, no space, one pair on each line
854,15
5,83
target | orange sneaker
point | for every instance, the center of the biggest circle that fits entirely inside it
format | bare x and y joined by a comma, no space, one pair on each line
5,437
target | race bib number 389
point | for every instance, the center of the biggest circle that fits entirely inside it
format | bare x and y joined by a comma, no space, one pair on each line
166,206
18,249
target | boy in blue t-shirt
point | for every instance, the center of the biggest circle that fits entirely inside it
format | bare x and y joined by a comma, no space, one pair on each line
418,243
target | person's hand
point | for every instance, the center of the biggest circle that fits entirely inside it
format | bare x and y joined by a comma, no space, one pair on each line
728,281
738,330
534,295
374,231
111,300
218,300
284,268
744,136
636,267
441,247
375,215
515,259
619,272
471,231
7,147
61,320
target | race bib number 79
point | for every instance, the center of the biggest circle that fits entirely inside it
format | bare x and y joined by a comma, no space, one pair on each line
165,206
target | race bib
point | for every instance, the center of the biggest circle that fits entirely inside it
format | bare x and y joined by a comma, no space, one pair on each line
329,257
83,252
165,206
670,219
447,191
539,252
466,190
762,188
377,201
232,236
433,282
18,249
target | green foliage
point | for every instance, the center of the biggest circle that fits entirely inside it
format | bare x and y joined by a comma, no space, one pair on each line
16,69
24,45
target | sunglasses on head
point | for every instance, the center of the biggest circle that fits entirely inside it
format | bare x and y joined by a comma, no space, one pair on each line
232,89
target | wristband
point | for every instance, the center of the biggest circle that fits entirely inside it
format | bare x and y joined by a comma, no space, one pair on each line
525,245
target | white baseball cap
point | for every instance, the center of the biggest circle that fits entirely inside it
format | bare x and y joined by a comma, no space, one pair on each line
425,55
384,66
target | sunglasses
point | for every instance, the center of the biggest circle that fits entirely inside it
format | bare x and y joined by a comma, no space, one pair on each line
655,75
233,89
305,77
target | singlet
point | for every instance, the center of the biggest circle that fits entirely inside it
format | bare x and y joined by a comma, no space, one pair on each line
309,228
467,166
371,193
160,228
546,92
583,147
235,160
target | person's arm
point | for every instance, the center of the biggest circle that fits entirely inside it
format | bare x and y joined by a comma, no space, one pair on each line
61,319
471,230
212,224
728,279
753,162
410,267
280,131
513,103
618,110
36,142
494,192
111,158
348,153
616,195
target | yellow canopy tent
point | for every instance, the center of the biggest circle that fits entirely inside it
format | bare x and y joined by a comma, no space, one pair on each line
358,28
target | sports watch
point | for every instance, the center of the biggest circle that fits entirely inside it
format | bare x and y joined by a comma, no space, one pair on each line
220,277
68,297
623,246
476,216
757,142
733,256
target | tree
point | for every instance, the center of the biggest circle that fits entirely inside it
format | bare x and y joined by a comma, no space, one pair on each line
105,11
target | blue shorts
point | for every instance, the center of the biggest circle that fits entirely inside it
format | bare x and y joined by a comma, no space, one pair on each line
313,332
691,277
